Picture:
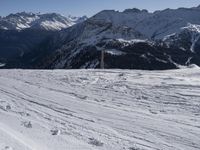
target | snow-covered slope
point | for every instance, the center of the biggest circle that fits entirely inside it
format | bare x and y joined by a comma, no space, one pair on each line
153,25
50,21
23,33
188,38
168,21
100,110
165,40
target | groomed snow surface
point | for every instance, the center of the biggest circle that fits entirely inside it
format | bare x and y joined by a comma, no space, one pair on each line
100,110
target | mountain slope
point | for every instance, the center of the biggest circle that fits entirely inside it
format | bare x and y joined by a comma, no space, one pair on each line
187,38
132,39
14,45
132,34
154,25
22,33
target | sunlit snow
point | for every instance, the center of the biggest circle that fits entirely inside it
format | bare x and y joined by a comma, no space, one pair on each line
100,109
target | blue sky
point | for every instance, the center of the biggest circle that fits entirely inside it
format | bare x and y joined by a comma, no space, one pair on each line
88,7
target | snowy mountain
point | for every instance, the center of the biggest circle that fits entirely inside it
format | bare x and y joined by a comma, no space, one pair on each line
132,39
154,25
22,33
100,109
188,38
50,21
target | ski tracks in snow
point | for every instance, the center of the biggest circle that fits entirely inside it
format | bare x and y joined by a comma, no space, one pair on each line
95,109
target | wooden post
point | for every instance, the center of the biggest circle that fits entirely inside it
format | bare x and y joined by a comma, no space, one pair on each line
102,59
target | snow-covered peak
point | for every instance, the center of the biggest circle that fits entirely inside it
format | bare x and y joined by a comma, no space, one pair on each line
77,19
153,25
49,21
168,21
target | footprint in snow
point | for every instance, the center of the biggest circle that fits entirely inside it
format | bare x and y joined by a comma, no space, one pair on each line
121,75
55,132
8,107
7,148
5,107
95,142
27,124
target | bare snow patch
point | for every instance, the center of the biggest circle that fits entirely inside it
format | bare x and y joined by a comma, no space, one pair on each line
2,65
115,52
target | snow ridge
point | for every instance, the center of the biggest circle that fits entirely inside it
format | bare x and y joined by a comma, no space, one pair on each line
49,21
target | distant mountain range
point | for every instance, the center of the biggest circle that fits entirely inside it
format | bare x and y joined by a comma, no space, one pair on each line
50,21
132,39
